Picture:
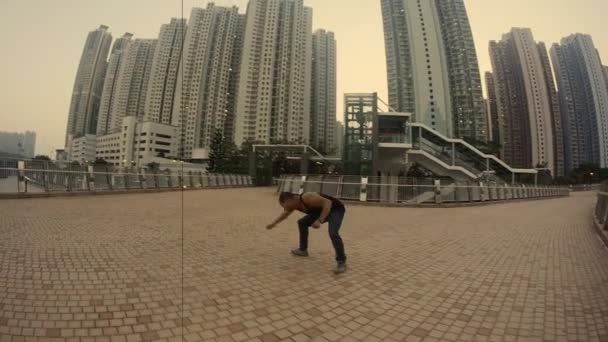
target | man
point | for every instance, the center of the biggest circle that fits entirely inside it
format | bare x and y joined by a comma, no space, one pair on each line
319,208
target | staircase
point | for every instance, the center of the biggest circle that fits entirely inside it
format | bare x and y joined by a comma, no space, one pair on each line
459,160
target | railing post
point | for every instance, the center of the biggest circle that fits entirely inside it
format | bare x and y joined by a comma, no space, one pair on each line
45,180
438,198
21,185
90,176
363,190
301,191
483,192
143,183
126,180
453,154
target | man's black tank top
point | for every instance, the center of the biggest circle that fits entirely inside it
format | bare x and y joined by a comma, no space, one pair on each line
336,204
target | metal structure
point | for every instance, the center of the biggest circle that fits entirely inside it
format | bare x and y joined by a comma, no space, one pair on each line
360,125
413,190
386,143
25,177
304,153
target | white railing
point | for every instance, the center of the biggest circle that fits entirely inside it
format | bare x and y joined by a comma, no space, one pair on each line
413,191
601,212
23,180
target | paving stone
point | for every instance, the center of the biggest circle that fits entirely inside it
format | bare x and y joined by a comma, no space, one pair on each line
110,269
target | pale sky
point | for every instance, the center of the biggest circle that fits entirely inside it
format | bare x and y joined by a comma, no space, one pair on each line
42,41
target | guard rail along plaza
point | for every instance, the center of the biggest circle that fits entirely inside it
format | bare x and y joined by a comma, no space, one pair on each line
25,180
601,212
401,190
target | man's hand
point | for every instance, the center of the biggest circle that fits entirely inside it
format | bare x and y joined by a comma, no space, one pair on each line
317,224
270,226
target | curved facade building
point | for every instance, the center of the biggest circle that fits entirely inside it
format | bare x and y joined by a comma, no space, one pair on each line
583,100
432,66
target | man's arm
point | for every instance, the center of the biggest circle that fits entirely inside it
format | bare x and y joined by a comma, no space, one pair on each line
280,219
314,200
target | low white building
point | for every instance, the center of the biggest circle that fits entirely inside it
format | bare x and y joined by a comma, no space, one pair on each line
137,144
82,149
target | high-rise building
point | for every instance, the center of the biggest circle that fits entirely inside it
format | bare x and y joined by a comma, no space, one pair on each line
524,103
273,101
432,66
492,110
18,144
556,116
339,137
605,68
466,95
323,101
110,84
583,101
132,85
206,89
163,76
88,86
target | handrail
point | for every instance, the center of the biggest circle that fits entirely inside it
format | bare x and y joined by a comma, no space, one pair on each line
474,149
447,166
372,189
305,147
51,180
455,185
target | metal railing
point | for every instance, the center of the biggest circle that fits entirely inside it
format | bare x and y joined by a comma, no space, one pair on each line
32,180
601,210
413,190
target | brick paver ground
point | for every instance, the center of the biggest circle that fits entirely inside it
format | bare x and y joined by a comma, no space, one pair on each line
109,269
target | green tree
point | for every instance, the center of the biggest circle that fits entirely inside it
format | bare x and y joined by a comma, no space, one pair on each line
217,153
100,161
587,173
152,166
42,157
419,171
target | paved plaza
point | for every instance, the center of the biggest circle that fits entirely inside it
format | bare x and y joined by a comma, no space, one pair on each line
108,268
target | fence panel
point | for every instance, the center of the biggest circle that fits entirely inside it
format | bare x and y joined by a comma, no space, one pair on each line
351,188
313,184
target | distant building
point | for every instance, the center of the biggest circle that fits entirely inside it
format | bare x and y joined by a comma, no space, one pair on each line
88,86
339,138
323,100
61,155
137,144
492,110
110,85
432,66
82,149
273,102
605,68
163,76
132,85
18,144
556,115
583,95
524,101
206,88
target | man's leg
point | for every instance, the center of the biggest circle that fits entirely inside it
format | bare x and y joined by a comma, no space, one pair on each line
335,222
303,224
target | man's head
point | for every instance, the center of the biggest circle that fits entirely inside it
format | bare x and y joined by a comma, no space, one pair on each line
288,200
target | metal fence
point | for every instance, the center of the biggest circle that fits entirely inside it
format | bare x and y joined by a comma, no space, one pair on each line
24,177
601,208
413,190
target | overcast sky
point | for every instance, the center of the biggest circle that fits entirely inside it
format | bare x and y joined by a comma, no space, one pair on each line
42,41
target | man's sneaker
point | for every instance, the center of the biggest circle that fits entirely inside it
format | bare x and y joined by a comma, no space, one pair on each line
340,268
299,252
